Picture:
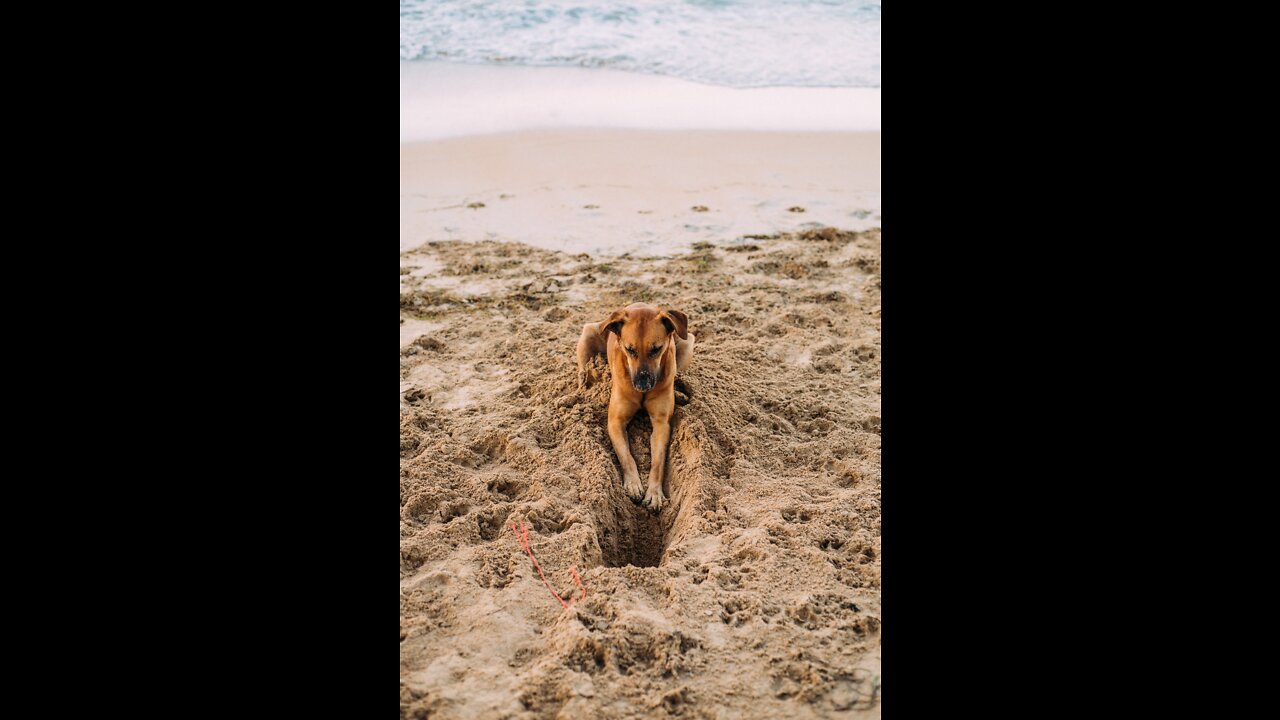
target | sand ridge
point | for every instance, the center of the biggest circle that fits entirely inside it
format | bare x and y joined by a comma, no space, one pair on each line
755,593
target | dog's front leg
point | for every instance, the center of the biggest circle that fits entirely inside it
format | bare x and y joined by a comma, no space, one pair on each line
653,498
620,413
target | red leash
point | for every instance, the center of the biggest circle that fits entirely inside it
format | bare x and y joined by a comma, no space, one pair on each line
522,537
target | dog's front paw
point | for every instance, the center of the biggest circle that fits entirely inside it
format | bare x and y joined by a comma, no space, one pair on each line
633,488
655,500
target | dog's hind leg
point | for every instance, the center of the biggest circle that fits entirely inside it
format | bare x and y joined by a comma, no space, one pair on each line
591,343
684,352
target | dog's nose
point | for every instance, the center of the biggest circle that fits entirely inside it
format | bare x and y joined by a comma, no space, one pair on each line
643,381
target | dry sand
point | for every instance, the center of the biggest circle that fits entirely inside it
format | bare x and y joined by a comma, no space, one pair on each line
754,594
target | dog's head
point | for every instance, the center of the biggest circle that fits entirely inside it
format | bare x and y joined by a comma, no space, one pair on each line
645,334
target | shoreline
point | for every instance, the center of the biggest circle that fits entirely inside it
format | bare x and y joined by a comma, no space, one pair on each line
441,100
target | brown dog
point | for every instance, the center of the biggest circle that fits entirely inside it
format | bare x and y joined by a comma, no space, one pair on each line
646,347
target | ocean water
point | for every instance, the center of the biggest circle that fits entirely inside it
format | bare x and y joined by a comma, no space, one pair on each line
730,43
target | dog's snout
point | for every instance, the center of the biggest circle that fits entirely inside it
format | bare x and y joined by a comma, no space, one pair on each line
643,380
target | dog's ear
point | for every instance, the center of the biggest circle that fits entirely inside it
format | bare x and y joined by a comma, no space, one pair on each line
676,322
615,322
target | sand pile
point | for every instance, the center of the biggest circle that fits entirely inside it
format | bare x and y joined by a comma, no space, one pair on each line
755,593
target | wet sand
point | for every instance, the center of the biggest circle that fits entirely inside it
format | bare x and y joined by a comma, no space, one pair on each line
618,191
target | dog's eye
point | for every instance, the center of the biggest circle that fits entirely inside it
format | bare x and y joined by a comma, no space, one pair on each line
632,351
655,351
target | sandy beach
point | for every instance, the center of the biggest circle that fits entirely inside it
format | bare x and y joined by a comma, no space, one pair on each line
756,592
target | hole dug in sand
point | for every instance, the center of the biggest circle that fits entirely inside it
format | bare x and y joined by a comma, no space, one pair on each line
630,534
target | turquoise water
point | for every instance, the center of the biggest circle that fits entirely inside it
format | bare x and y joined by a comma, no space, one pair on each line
733,43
